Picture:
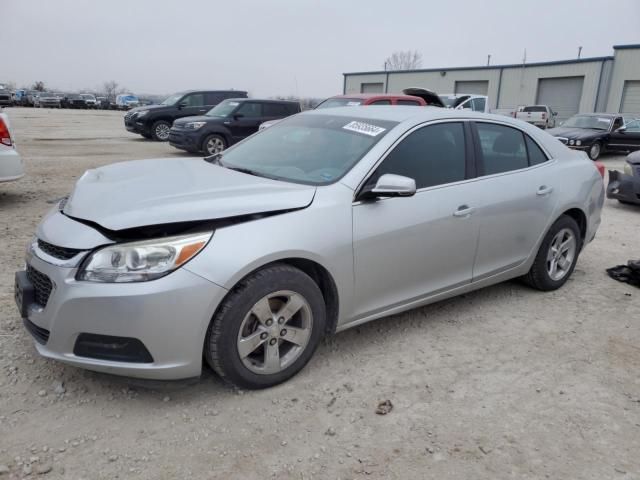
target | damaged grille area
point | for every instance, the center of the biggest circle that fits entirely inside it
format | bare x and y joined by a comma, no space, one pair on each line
61,253
42,285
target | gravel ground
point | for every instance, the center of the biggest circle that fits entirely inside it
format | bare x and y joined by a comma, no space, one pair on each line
505,382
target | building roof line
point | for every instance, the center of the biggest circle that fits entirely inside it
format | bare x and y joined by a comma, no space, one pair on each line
493,67
625,47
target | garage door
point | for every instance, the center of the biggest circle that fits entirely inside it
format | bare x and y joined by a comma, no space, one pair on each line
631,97
562,94
476,87
372,87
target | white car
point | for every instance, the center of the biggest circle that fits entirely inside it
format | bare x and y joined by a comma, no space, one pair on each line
539,115
11,167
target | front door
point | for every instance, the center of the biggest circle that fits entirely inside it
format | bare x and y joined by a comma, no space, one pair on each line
192,105
628,138
246,120
406,248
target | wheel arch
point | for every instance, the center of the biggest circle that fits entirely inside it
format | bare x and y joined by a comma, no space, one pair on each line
319,274
581,219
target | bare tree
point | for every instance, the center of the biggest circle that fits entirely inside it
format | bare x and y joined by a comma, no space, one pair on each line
111,89
39,86
405,60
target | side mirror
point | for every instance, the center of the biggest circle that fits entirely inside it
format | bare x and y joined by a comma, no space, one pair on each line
390,185
236,116
182,105
622,129
555,114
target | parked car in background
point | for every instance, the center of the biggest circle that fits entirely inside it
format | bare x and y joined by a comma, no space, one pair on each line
29,100
595,133
11,167
462,101
102,103
126,101
73,100
89,99
154,121
364,99
327,220
49,100
227,123
625,186
6,99
541,116
19,97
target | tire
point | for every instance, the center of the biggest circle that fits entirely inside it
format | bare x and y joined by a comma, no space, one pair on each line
160,130
541,275
595,150
213,144
270,288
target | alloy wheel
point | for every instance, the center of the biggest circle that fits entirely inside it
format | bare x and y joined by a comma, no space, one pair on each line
162,131
214,145
562,252
275,332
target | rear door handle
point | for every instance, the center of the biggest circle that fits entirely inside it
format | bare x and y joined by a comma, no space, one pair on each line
544,190
463,211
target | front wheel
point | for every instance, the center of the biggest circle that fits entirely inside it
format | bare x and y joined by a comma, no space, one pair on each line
267,328
160,130
213,144
595,150
557,256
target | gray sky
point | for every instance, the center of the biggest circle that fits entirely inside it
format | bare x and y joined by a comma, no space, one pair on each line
282,47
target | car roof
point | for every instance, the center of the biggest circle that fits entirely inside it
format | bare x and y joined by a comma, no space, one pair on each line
184,92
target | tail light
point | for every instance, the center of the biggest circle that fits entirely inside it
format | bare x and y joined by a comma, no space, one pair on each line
5,136
600,167
544,116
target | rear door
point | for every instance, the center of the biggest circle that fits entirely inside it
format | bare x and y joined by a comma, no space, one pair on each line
274,111
406,248
246,120
516,199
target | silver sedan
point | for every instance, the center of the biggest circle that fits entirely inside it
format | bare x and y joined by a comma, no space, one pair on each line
324,221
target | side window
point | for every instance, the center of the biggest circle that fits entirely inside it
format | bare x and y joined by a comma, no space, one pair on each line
479,104
213,98
250,110
465,105
194,100
503,148
536,155
432,155
408,102
633,126
381,102
617,123
274,110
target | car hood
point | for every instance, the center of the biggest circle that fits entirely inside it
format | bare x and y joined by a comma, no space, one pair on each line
575,133
199,118
162,191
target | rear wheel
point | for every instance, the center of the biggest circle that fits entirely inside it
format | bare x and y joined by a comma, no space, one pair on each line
213,144
595,150
267,328
557,256
160,130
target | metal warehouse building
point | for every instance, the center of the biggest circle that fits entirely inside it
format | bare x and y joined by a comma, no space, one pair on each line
599,84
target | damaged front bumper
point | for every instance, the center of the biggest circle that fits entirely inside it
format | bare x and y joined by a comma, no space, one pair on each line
625,188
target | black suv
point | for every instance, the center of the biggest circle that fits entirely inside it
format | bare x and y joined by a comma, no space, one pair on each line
226,124
154,121
73,100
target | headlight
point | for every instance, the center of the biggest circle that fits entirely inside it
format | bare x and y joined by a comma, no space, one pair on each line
194,125
627,169
571,142
578,142
141,261
142,113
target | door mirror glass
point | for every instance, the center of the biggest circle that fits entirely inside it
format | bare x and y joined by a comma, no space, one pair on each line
182,104
237,116
391,185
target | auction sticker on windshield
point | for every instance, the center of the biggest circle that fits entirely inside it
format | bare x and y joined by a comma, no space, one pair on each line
365,128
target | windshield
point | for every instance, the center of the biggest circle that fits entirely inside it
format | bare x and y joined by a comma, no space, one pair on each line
452,101
223,109
172,99
340,102
588,121
309,149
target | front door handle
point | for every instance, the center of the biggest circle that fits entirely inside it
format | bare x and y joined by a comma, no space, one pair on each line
463,211
544,190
